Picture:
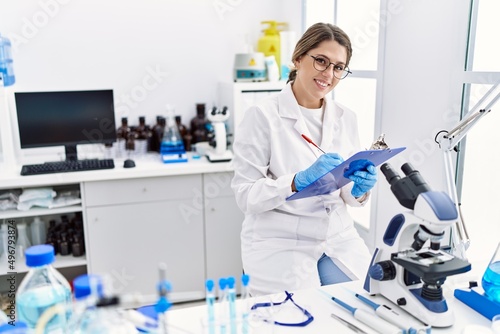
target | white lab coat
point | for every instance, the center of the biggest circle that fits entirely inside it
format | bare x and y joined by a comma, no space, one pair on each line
283,240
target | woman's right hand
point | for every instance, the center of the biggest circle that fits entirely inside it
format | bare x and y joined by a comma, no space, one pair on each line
320,167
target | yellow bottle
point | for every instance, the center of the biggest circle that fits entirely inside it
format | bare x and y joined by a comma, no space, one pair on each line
269,43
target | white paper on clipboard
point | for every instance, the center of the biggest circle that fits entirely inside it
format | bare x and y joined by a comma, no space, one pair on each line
335,179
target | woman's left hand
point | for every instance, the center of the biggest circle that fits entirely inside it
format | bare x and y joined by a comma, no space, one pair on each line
364,176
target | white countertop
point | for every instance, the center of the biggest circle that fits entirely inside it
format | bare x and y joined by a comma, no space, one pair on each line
189,320
150,166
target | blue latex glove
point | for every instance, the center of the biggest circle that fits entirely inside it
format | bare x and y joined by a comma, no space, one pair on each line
320,167
364,175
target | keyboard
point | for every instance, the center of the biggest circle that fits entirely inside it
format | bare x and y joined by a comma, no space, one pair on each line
67,166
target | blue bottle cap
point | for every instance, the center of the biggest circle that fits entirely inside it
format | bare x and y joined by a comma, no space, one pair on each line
82,285
222,283
230,282
39,255
210,285
19,328
245,279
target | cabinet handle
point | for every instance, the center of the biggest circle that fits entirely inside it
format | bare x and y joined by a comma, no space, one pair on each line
144,190
212,209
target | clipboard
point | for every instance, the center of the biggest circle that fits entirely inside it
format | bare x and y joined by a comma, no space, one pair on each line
335,179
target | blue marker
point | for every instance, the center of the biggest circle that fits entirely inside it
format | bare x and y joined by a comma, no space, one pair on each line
210,298
231,297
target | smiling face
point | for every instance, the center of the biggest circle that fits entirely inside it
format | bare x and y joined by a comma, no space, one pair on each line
310,86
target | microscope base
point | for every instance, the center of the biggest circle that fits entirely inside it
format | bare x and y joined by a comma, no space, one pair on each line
217,157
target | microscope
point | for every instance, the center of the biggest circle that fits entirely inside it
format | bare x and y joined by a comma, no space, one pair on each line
409,266
218,140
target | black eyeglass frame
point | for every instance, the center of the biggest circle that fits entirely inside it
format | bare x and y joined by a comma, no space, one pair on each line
345,70
288,297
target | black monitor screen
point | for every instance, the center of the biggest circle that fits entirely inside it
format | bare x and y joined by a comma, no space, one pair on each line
65,118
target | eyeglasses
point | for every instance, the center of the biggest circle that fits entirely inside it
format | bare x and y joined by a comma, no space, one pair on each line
288,297
321,64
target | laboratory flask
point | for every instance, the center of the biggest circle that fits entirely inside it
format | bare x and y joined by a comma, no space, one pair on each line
42,289
491,277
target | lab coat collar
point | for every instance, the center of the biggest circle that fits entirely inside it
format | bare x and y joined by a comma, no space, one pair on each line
289,108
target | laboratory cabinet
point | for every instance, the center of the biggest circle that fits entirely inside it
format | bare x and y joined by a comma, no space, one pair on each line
12,217
183,215
223,221
134,225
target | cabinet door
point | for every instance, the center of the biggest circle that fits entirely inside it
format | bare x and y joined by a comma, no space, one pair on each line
128,242
223,221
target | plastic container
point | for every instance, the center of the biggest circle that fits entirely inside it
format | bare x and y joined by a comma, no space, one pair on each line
86,291
38,231
491,277
7,77
269,44
22,242
42,289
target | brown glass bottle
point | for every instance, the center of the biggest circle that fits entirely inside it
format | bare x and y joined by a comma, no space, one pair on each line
198,124
184,132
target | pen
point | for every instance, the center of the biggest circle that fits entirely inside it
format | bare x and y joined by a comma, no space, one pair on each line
312,143
349,325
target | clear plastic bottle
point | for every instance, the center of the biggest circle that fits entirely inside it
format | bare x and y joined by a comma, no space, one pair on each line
7,77
22,242
87,289
43,288
38,231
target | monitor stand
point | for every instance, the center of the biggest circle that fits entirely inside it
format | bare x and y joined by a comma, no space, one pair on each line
71,153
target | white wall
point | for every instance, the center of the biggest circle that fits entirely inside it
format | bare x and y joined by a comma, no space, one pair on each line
151,52
424,54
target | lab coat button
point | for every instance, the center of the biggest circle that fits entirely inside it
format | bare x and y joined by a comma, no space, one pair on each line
327,210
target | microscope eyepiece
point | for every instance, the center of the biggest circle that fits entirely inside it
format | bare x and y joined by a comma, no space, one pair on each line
390,174
415,177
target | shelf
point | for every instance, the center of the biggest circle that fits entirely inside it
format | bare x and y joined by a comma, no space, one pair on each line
60,262
10,214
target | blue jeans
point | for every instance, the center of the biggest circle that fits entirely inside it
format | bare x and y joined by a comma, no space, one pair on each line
329,272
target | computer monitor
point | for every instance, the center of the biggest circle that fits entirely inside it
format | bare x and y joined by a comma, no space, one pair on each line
65,118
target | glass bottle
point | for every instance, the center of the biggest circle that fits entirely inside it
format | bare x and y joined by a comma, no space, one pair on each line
184,132
157,134
143,133
122,135
491,277
42,288
198,124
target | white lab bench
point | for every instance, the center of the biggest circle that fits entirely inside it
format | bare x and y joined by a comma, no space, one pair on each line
182,214
190,320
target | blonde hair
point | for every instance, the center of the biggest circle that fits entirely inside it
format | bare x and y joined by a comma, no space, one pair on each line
313,36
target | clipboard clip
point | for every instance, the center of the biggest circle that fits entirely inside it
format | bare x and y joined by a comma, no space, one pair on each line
379,144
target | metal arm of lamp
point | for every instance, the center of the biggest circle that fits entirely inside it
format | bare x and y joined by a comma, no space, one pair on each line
447,141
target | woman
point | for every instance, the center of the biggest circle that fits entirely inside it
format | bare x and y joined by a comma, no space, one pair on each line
290,245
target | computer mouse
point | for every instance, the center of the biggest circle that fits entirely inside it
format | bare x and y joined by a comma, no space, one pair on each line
128,163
